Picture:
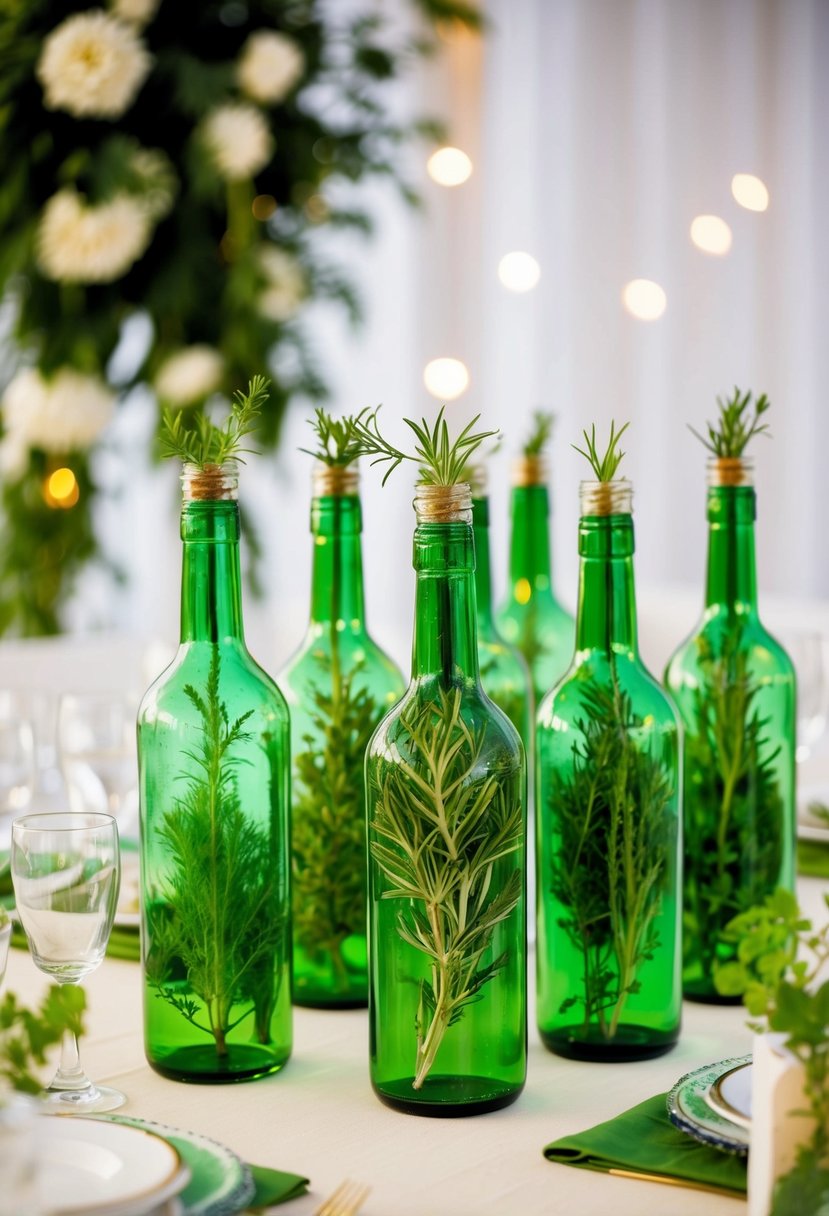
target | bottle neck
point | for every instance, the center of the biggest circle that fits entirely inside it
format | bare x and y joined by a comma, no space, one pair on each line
211,581
445,635
606,618
732,575
337,576
483,577
529,555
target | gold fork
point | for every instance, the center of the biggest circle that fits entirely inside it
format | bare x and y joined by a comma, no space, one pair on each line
347,1200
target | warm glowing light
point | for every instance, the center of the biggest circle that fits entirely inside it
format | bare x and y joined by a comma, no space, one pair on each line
644,299
750,192
61,489
523,591
449,167
446,379
519,271
317,209
263,206
711,234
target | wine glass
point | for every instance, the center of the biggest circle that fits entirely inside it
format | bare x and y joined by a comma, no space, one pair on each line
808,652
17,764
98,757
66,872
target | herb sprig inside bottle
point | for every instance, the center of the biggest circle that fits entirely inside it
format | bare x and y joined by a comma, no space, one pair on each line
446,792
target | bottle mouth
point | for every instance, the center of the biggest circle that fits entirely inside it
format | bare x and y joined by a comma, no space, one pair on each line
209,483
730,471
530,471
443,504
337,481
606,497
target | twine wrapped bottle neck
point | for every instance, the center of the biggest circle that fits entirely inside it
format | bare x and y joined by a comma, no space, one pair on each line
530,471
606,497
209,483
730,471
335,481
443,504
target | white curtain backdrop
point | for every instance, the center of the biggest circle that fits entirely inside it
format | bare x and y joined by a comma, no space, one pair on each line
598,129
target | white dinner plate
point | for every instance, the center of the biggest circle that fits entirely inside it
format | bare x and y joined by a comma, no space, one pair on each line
730,1095
89,1167
690,1111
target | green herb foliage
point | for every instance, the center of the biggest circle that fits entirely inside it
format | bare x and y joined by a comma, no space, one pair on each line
338,442
780,972
442,460
604,466
26,1034
540,434
736,425
219,918
205,444
441,827
611,856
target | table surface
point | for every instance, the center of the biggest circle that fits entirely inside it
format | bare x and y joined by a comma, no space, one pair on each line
319,1117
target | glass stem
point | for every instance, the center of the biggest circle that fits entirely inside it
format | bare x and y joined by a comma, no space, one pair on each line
70,1075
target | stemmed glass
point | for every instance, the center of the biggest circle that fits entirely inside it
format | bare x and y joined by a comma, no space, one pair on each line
808,652
98,757
66,872
17,765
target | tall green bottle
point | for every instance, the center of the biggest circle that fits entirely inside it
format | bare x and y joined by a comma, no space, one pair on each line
734,686
504,673
531,618
446,788
607,812
338,686
214,767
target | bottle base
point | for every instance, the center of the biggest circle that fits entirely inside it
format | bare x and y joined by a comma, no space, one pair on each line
320,1002
202,1066
447,1097
704,996
631,1043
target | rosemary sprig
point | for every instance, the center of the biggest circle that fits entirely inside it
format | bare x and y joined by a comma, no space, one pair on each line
441,460
203,443
604,466
338,439
736,425
444,830
539,436
217,918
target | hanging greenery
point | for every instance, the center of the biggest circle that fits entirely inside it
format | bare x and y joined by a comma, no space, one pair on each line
178,164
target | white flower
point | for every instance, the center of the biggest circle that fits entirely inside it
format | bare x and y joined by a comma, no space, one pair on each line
189,375
238,137
286,285
66,412
92,65
269,66
77,243
136,12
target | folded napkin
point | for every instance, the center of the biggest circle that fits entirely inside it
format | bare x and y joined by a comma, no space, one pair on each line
813,858
642,1142
274,1186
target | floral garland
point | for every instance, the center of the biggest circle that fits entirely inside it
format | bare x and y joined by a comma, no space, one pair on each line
173,162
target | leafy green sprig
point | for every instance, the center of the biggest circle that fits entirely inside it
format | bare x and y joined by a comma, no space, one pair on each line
205,444
441,459
604,466
27,1034
736,426
338,440
539,437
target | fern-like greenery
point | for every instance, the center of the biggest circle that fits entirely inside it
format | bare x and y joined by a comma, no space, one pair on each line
603,466
611,858
733,806
441,460
204,444
338,439
539,436
736,426
443,827
218,917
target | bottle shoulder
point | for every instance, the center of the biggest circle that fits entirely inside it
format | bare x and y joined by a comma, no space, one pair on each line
243,685
356,652
733,637
591,672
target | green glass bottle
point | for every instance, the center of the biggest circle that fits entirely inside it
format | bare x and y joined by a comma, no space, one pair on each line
734,687
338,686
607,813
531,618
504,674
214,766
446,791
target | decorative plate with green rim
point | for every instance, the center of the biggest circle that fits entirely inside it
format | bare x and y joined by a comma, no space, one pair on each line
690,1110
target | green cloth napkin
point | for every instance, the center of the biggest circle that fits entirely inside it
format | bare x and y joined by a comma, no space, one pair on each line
274,1186
813,858
644,1141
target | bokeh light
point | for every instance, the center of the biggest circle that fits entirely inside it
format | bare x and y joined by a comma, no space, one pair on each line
644,299
711,234
519,271
446,379
750,192
60,489
449,167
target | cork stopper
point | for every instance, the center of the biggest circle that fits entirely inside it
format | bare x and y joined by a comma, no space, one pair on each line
606,497
730,471
530,471
337,481
443,504
212,483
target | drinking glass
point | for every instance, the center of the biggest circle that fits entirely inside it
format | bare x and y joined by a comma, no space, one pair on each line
66,872
808,652
17,765
98,756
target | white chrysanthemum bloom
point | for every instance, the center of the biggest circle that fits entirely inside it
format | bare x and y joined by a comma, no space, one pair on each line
286,283
92,65
239,140
136,12
269,66
189,375
158,180
77,243
14,456
64,413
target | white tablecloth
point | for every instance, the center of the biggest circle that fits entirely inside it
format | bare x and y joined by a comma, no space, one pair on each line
320,1118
